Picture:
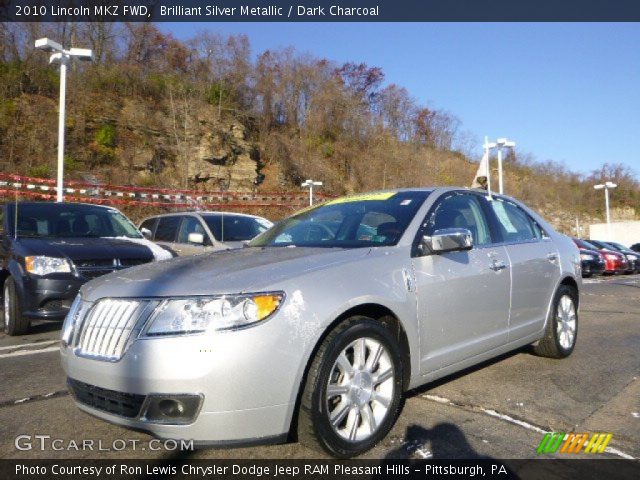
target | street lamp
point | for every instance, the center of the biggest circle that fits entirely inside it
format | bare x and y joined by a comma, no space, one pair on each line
310,184
606,186
63,57
500,143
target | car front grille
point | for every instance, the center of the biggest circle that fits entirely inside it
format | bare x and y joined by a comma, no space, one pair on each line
119,403
94,268
108,326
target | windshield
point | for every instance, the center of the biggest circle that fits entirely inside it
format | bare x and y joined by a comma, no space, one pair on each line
235,228
617,246
70,220
586,245
367,220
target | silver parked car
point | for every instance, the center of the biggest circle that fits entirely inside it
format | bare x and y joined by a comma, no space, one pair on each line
323,321
190,233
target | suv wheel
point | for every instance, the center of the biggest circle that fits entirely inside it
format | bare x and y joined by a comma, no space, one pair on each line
14,322
562,325
353,390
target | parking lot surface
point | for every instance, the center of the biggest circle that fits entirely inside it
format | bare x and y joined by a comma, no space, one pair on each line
499,409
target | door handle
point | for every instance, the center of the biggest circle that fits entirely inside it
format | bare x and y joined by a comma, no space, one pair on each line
497,265
552,257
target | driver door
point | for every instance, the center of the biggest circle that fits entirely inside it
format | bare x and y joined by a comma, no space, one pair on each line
463,296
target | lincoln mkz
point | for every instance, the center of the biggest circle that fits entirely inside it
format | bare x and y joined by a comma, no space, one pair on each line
316,328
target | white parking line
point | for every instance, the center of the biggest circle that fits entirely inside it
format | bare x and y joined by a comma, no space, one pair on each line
520,423
23,345
21,353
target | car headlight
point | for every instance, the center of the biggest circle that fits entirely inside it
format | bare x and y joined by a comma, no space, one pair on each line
41,265
632,257
584,256
183,316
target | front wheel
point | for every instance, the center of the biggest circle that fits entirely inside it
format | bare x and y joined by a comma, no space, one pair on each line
353,390
14,322
562,325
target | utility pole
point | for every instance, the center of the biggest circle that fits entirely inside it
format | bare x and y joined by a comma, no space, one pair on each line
310,184
502,142
63,57
606,186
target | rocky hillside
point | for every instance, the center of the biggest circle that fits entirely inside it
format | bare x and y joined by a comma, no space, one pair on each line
208,114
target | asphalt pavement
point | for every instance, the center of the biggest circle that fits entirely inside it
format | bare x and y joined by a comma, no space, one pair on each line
500,409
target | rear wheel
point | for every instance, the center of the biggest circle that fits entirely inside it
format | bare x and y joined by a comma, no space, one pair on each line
14,322
562,327
353,390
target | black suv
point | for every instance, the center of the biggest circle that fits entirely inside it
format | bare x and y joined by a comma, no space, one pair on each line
48,250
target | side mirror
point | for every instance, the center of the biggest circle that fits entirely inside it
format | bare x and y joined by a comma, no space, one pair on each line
448,240
146,233
196,238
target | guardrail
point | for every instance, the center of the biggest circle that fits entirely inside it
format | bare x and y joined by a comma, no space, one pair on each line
108,194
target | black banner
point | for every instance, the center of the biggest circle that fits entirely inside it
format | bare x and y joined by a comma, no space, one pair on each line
318,10
318,469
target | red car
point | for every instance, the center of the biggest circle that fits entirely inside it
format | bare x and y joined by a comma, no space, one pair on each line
614,262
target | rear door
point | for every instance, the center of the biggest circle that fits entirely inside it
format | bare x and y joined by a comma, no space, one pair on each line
463,297
535,267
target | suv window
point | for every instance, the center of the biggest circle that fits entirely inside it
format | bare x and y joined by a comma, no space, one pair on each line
191,225
168,228
149,224
513,222
460,210
234,228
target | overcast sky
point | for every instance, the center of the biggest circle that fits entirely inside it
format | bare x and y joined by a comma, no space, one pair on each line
563,92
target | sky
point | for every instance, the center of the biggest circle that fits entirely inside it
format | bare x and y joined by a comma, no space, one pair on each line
563,92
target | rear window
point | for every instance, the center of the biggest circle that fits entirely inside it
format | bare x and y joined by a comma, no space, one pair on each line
235,228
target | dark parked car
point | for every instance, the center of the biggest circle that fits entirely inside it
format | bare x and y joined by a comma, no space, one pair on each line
191,233
629,255
635,247
48,250
632,257
592,261
614,262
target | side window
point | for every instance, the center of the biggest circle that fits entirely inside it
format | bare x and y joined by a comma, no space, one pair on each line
168,228
538,230
513,222
149,224
460,210
1,220
191,225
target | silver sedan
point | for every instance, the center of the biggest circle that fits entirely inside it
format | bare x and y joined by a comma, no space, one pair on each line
323,321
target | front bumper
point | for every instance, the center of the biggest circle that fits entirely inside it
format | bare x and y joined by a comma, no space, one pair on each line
248,381
49,298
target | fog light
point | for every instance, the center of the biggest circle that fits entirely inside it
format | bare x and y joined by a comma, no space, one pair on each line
171,409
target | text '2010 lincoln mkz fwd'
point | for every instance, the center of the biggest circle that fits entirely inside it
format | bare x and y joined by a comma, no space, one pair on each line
323,321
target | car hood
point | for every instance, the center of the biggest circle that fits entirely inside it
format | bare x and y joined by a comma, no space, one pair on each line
87,248
230,271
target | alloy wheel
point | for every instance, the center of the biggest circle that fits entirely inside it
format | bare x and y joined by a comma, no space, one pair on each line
360,389
566,322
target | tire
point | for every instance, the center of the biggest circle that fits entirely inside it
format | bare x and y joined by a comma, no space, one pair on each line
367,386
14,322
561,331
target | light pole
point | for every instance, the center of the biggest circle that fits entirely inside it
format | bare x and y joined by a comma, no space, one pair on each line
500,143
310,184
606,186
63,57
